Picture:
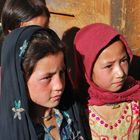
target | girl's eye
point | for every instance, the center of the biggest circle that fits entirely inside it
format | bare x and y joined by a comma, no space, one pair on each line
47,77
108,66
124,60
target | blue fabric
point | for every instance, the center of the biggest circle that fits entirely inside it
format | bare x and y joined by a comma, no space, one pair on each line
65,126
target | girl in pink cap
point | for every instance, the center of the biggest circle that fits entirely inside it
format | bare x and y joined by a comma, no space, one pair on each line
113,103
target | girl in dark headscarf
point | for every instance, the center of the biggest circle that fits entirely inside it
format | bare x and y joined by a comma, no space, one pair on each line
33,80
113,102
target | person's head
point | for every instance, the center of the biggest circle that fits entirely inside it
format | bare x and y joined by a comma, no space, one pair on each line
105,54
43,65
17,13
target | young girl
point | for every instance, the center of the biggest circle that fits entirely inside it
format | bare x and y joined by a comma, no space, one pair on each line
113,103
33,81
17,13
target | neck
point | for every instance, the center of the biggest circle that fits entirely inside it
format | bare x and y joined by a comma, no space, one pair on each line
36,112
114,105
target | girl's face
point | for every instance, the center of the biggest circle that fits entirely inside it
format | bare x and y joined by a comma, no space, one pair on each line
111,68
46,83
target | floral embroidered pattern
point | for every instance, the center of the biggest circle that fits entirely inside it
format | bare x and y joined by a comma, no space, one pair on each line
125,126
65,126
106,125
17,109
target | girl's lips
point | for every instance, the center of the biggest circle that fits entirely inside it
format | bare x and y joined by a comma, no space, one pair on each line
120,83
55,98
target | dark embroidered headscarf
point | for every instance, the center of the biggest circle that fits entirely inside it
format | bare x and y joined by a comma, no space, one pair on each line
13,98
89,42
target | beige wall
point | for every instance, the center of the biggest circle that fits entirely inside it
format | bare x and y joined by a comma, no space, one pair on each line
126,17
83,13
123,14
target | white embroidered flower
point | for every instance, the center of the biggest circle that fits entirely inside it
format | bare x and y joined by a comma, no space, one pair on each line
17,109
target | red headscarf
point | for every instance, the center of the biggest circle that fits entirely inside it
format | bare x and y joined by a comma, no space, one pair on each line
89,41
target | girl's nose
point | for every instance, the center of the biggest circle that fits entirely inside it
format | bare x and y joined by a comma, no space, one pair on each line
120,72
59,83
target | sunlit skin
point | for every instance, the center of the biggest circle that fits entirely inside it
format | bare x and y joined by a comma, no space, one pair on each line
46,83
111,67
42,21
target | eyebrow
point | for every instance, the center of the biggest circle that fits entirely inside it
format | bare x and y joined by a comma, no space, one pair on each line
52,73
110,62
